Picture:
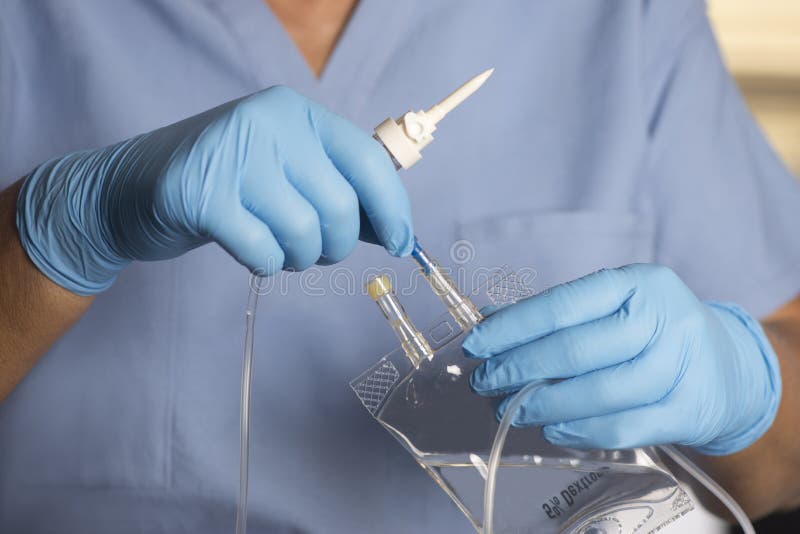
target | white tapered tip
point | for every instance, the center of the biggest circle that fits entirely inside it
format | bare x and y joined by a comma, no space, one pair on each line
447,105
483,76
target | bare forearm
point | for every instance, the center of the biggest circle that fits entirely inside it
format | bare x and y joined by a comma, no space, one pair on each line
765,477
34,312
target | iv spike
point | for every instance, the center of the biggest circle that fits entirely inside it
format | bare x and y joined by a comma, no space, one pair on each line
449,103
460,307
405,137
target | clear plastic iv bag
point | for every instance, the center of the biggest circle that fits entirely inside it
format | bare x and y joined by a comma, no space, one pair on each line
449,430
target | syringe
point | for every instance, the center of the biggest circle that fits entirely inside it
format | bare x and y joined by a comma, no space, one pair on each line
460,307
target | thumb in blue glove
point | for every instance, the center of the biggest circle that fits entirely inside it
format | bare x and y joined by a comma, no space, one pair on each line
636,360
274,178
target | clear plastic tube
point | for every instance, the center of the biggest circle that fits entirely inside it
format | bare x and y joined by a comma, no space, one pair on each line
497,451
244,407
672,452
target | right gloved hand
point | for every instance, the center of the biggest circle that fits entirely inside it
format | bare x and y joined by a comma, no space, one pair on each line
274,178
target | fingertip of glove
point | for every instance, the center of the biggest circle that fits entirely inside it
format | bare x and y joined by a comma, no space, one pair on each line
516,421
501,409
473,347
551,435
560,435
401,243
475,381
468,352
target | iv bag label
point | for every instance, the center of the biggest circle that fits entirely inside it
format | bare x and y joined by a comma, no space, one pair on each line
559,503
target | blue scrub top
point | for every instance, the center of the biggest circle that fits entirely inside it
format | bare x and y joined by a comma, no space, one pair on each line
610,133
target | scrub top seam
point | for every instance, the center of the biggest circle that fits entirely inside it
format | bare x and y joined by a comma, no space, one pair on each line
247,61
352,70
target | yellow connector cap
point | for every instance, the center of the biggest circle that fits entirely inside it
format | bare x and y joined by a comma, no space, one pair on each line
379,286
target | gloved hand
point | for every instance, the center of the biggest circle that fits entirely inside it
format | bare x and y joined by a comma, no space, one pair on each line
639,361
274,178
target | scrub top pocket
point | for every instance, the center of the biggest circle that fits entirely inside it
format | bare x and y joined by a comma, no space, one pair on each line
552,247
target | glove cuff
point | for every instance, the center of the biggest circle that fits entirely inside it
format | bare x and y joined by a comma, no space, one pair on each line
730,444
56,215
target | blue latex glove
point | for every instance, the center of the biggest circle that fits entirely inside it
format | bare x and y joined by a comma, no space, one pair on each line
639,361
277,180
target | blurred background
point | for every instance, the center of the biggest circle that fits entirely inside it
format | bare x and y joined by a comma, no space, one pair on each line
760,40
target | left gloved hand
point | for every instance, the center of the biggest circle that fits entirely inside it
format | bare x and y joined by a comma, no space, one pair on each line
641,361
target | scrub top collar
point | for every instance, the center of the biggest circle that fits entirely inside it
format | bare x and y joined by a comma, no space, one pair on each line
351,71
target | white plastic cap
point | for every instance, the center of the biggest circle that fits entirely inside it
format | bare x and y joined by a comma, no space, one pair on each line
405,137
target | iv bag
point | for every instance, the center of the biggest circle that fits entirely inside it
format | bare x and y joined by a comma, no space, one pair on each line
541,488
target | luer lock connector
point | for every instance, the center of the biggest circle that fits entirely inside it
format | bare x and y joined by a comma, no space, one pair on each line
411,340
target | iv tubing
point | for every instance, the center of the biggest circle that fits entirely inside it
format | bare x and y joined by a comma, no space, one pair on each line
244,408
494,456
678,457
